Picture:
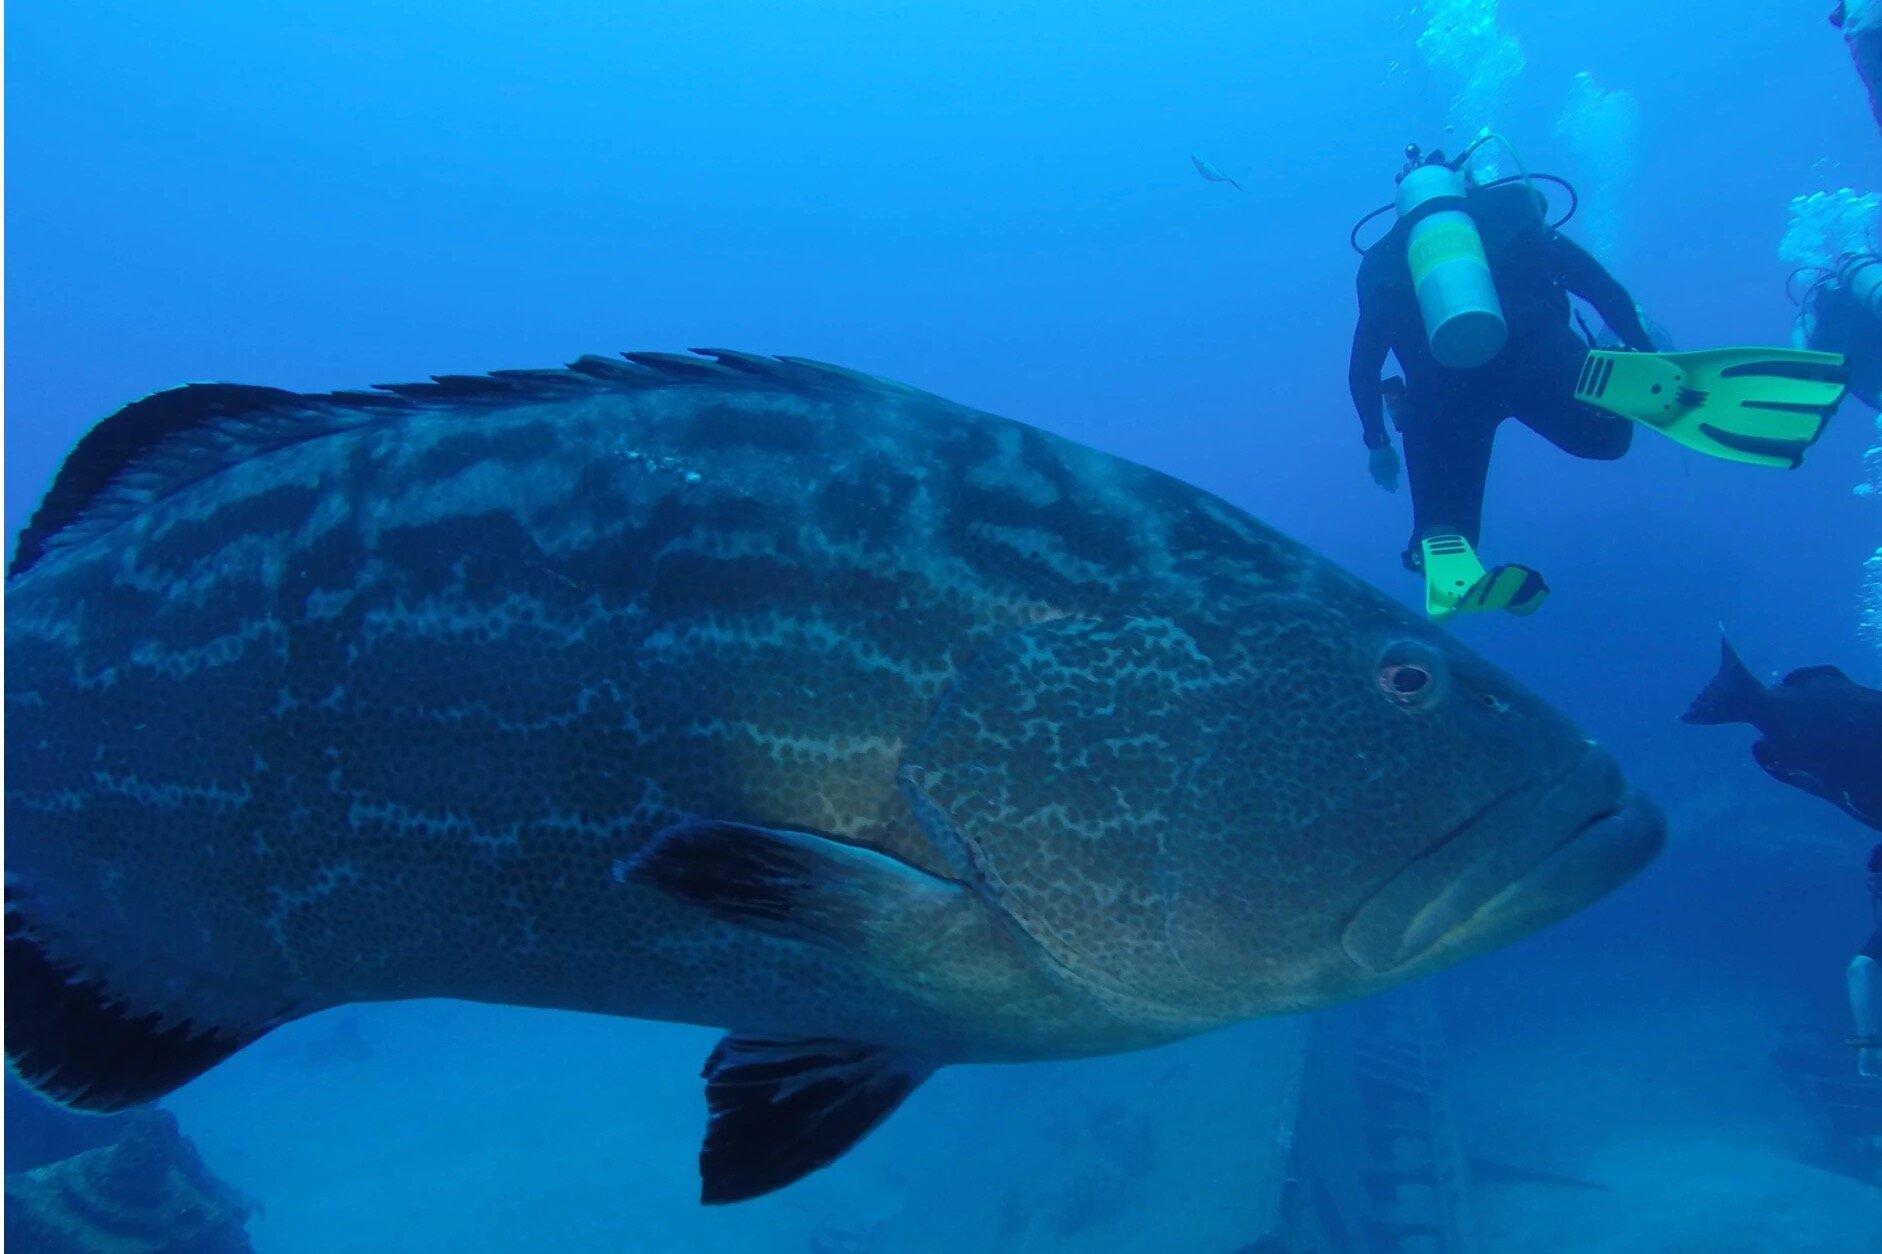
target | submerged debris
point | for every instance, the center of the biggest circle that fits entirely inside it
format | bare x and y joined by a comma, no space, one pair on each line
146,1193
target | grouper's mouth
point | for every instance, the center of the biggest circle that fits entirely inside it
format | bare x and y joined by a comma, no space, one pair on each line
1525,860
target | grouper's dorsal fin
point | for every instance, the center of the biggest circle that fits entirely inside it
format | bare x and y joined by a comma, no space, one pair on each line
154,447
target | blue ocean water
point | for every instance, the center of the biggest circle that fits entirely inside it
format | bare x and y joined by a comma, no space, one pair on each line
997,203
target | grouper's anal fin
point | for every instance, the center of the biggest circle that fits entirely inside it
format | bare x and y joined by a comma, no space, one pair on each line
782,1109
70,1038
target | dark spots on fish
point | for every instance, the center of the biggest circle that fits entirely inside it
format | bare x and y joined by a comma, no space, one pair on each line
330,563
976,496
321,935
868,505
1199,538
1296,639
441,747
1036,539
485,556
190,540
823,696
728,426
365,455
874,596
162,612
1270,563
1215,640
1103,541
1046,704
619,567
326,589
1038,453
517,442
1003,565
686,583
595,498
1227,554
965,446
505,790
731,514
1088,534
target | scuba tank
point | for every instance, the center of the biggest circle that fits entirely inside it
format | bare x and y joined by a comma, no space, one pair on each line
1860,274
1457,298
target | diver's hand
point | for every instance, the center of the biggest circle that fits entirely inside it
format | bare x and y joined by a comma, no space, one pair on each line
1383,462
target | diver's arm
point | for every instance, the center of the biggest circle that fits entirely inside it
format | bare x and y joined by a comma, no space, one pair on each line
1581,274
1370,345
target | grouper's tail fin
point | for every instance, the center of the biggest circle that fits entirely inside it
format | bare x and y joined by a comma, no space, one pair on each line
1733,694
75,1040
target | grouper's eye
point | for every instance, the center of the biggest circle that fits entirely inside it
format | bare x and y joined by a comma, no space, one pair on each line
1410,675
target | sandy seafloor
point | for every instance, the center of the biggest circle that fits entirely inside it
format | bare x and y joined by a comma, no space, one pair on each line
1652,1074
1675,1115
440,1126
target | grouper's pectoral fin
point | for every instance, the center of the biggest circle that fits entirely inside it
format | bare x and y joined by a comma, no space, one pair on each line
72,1038
795,884
782,1109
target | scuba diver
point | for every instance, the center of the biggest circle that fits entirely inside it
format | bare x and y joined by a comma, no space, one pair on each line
1469,290
1841,312
1865,981
1861,24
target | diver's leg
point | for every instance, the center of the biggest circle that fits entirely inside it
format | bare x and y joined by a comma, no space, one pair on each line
1574,428
1447,438
1865,1007
1546,404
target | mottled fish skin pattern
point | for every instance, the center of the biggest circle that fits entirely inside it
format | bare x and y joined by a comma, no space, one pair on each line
386,712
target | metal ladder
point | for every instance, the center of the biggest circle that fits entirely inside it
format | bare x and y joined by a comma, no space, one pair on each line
1414,1177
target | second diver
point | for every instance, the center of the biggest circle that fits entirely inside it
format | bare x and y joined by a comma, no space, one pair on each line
1470,290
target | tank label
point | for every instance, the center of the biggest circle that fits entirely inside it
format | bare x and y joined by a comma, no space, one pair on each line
1440,242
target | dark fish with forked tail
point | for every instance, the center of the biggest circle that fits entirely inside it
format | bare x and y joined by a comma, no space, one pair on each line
738,691
1822,731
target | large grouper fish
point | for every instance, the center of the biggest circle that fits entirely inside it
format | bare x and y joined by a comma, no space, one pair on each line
739,691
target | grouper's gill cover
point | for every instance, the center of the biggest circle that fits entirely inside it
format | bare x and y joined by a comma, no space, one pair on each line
731,690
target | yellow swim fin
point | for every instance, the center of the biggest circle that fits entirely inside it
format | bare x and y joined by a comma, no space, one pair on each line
1762,406
1457,583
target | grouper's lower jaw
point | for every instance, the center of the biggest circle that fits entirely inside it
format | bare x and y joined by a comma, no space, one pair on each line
1530,858
1594,861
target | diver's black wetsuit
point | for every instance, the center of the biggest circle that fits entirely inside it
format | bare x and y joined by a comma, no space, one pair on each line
1840,325
1449,417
